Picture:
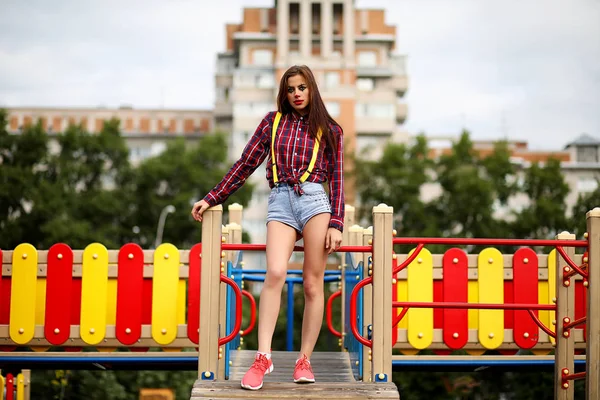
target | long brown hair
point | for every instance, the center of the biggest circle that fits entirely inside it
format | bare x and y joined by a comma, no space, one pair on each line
318,117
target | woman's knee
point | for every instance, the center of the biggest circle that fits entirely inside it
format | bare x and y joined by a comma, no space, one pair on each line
313,286
275,276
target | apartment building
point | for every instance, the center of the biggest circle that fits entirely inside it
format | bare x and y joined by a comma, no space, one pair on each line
352,54
146,131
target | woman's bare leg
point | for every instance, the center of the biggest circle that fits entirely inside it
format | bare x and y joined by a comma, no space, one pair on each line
280,244
315,259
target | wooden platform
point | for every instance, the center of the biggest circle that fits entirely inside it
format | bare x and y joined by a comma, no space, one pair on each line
332,372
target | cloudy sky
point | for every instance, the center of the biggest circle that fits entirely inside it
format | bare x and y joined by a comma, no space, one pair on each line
524,69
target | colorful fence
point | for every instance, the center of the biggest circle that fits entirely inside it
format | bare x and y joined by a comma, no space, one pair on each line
96,297
488,277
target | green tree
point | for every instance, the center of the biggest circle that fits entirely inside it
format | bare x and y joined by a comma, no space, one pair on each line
470,187
585,203
179,176
22,159
396,180
545,216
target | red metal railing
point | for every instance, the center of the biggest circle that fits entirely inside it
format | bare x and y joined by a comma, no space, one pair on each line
250,327
263,247
328,314
238,310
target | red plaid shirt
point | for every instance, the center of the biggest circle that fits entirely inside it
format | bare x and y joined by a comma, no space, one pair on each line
294,148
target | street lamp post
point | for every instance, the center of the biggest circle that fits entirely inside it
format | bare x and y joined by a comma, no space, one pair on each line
161,223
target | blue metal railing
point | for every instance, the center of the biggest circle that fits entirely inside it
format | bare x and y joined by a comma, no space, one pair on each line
353,275
257,275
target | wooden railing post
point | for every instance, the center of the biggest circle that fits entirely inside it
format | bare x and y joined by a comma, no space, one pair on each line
349,218
382,293
235,213
592,386
209,293
565,308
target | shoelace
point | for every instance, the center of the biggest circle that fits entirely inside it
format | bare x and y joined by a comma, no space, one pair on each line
261,363
304,364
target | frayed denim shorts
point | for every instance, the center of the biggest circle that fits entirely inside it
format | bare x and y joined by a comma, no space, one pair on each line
286,206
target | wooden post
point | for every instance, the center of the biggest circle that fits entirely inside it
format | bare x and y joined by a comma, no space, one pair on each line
235,213
592,385
367,237
225,238
350,217
382,293
209,293
565,308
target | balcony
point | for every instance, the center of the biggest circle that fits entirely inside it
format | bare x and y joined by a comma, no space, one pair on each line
223,109
375,125
224,81
401,112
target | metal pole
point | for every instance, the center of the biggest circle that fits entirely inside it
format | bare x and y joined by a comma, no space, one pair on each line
290,316
161,224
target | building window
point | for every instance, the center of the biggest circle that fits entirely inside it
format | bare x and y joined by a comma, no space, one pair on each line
265,81
333,108
587,154
332,79
375,110
365,84
587,184
252,109
367,59
262,57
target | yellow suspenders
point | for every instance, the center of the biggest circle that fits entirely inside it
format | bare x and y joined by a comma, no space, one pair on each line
312,160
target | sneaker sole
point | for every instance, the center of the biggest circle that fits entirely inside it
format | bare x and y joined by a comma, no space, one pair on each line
304,380
248,387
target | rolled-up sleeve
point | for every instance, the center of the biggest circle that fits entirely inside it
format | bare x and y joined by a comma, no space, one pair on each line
254,154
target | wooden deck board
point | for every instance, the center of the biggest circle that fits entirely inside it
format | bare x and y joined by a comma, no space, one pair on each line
332,373
327,366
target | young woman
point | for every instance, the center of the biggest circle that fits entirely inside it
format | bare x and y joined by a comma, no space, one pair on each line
303,146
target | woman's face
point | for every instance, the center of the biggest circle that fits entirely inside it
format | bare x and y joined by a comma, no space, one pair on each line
298,93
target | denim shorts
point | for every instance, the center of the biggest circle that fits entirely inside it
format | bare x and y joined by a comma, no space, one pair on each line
286,206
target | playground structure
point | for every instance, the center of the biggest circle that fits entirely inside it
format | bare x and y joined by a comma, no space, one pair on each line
188,304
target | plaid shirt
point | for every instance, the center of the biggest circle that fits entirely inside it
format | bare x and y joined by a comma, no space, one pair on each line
294,148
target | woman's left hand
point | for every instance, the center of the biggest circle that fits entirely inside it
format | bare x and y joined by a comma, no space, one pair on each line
333,240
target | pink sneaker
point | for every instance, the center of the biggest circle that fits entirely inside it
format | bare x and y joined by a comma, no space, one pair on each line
303,371
253,380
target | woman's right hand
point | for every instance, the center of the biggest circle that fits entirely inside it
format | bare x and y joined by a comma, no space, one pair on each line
198,209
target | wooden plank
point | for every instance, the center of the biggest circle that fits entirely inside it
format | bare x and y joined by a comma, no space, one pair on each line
420,289
94,292
455,287
525,267
129,294
23,300
59,289
193,310
491,290
164,294
333,373
316,391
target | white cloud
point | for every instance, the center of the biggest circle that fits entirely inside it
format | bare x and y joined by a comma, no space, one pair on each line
533,63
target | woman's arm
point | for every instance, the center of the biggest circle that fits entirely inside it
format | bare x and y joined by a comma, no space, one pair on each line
254,154
336,180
